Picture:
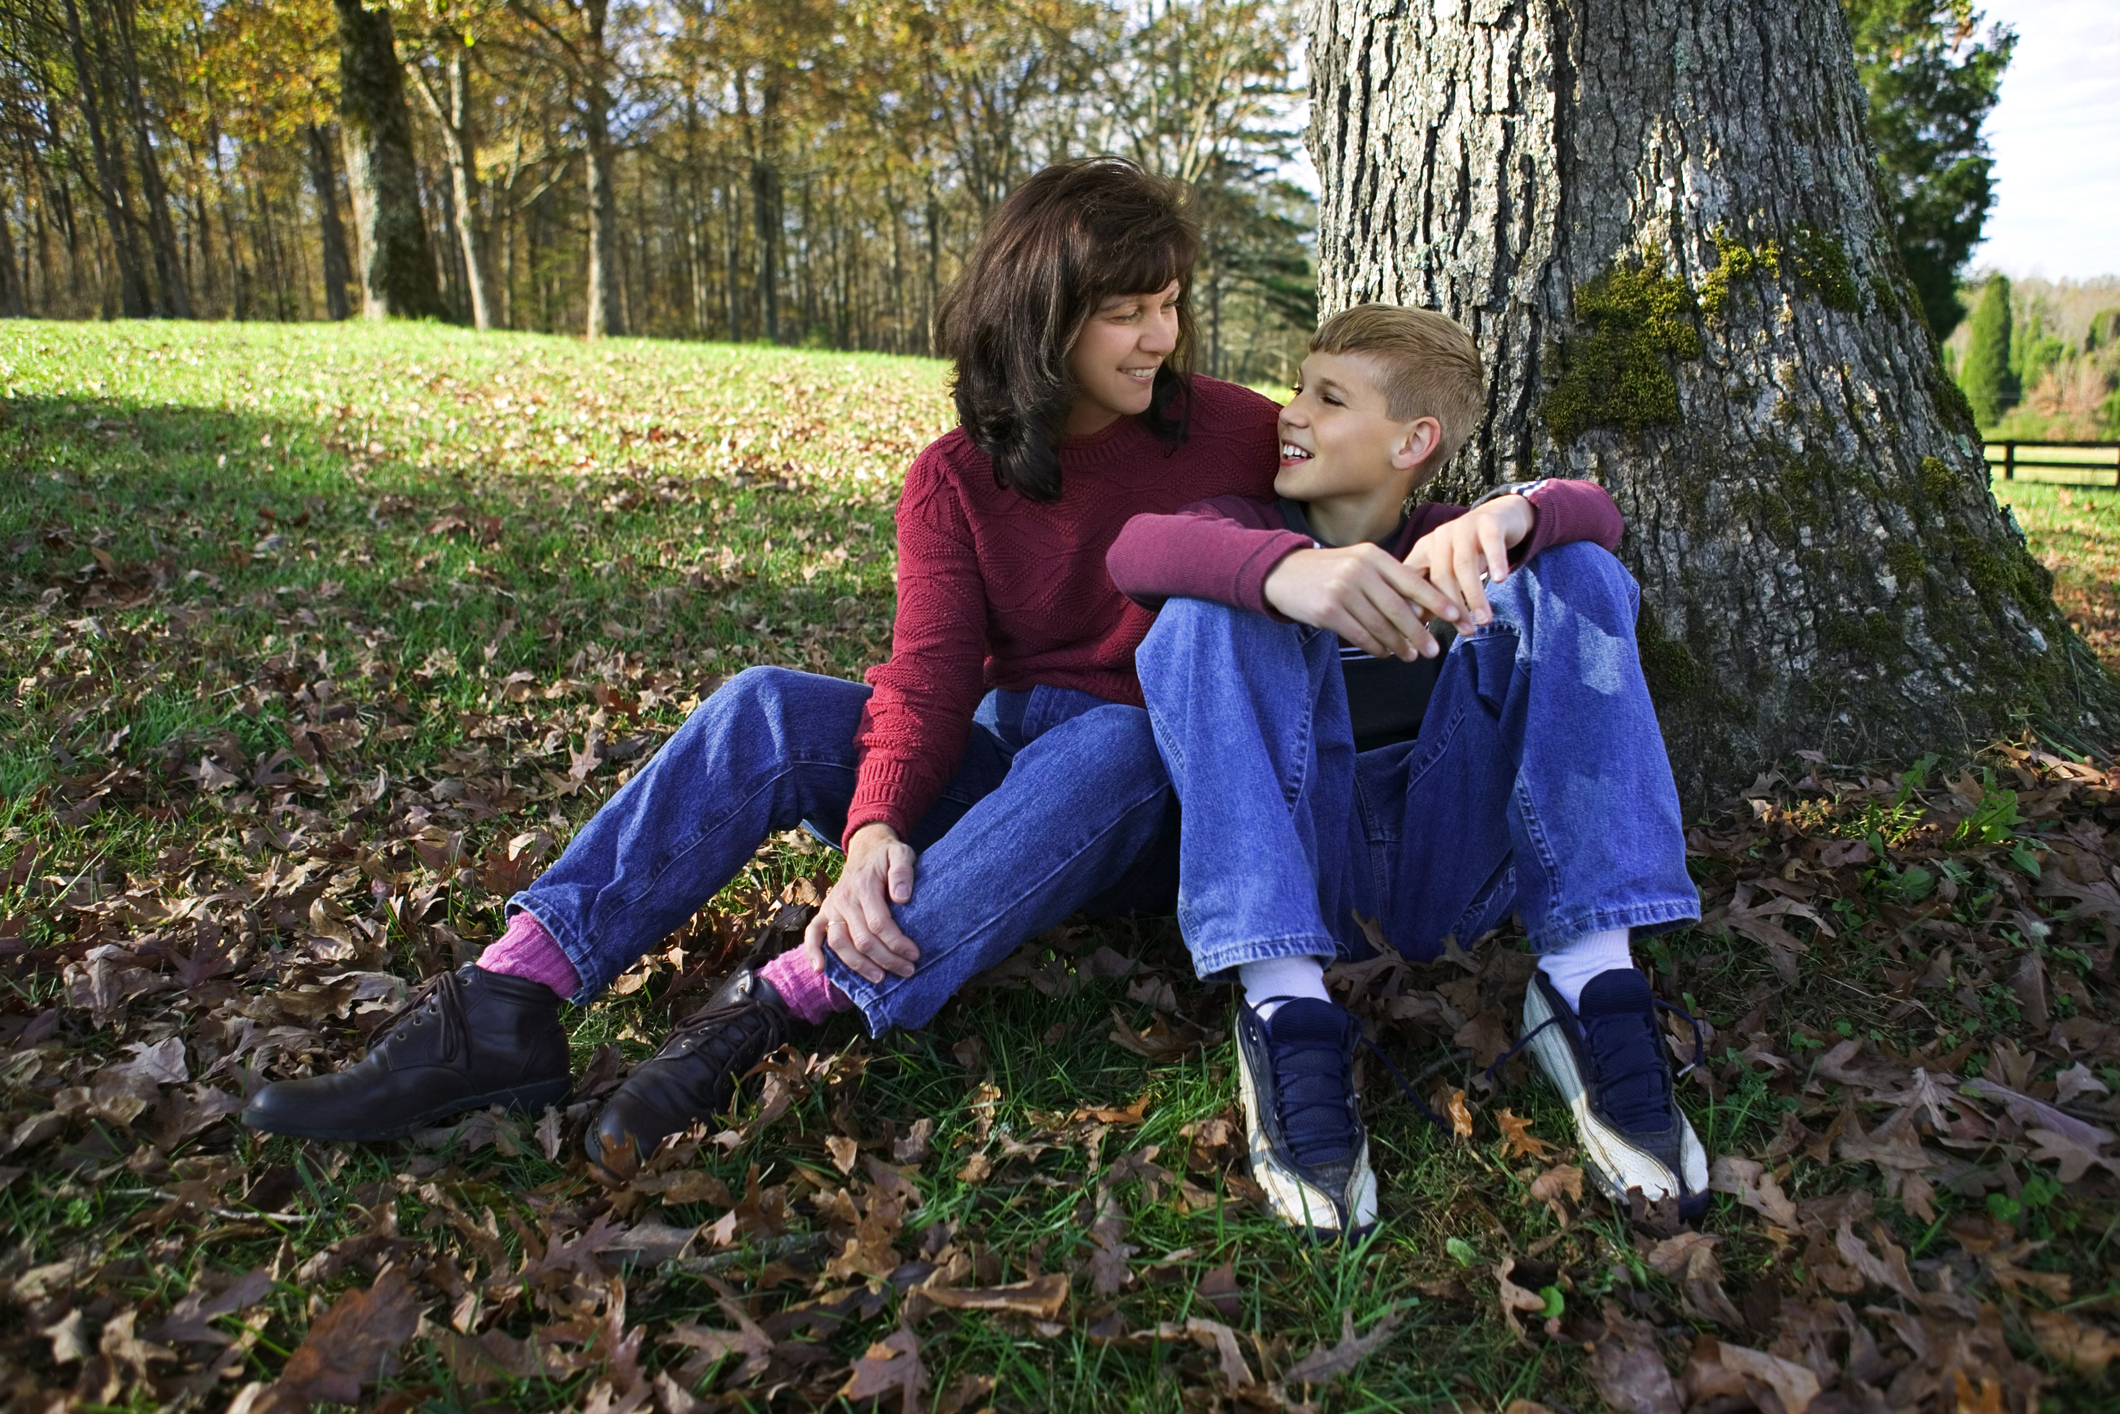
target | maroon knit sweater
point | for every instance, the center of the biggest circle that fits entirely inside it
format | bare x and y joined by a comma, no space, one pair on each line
997,590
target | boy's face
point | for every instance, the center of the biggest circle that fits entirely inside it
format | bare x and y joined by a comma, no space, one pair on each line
1339,439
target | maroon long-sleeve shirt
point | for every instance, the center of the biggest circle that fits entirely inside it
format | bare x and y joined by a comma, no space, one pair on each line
996,590
1224,549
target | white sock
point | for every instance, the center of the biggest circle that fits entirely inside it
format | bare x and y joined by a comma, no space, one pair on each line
1283,979
1571,966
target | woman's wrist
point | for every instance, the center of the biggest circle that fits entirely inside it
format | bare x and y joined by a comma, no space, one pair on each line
874,835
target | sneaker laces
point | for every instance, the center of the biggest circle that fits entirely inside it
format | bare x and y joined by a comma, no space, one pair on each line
1308,1046
441,995
1627,1052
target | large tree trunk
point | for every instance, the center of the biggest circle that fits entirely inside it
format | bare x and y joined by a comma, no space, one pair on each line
1660,222
338,267
397,263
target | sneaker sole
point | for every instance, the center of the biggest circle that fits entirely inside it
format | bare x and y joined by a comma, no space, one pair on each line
1614,1164
1293,1200
516,1099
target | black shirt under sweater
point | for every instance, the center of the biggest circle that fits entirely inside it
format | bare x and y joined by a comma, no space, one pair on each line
1386,697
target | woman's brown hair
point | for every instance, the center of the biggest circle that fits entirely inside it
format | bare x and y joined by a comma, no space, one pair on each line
1071,237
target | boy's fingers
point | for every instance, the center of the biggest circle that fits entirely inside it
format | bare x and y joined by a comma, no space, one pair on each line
1467,569
1496,548
1342,620
1408,636
1381,637
1412,582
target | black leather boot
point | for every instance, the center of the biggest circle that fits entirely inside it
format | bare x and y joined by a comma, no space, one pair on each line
466,1040
695,1074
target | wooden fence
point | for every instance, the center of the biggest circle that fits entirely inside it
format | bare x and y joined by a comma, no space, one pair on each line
2094,464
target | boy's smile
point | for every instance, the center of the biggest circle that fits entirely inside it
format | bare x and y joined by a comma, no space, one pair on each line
1344,454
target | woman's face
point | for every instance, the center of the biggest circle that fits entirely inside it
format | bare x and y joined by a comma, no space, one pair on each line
1116,356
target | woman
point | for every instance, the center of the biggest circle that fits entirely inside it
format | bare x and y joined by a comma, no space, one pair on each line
995,776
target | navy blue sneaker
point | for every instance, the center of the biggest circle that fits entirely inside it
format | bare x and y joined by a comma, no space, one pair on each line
1309,1150
1608,1060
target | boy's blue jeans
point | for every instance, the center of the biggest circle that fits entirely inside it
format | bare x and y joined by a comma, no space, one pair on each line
1059,804
1539,781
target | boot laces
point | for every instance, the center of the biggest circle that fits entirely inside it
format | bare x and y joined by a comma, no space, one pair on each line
441,995
719,1034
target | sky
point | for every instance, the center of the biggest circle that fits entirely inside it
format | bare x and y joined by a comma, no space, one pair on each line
2055,133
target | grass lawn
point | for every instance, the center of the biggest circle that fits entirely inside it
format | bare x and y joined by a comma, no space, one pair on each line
324,639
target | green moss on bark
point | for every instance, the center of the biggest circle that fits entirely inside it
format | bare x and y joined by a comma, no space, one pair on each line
1904,559
1620,374
1821,264
1735,261
1818,262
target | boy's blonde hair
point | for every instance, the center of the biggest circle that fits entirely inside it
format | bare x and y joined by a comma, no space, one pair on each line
1430,366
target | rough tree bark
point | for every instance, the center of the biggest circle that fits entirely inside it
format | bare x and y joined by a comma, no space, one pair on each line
396,262
338,266
1661,223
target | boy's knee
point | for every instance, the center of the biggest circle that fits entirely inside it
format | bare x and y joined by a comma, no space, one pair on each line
1581,574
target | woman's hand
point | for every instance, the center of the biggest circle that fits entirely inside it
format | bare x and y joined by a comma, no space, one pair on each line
855,921
1452,557
1365,596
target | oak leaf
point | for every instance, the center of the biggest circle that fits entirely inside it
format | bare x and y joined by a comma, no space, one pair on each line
1326,1363
1520,1141
354,1342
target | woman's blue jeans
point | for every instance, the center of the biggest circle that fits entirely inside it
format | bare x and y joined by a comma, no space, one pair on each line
1060,803
1539,781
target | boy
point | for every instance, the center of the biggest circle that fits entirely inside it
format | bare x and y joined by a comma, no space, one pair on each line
1332,759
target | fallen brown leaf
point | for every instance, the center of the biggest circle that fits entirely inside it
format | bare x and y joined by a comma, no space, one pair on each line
1042,1296
2072,1341
890,1365
1550,1186
353,1343
1519,1141
1754,1187
1627,1370
1323,1364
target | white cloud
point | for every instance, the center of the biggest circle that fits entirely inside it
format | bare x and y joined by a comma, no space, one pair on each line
2056,138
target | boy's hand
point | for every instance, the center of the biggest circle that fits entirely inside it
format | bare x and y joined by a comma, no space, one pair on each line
1365,596
1451,558
855,920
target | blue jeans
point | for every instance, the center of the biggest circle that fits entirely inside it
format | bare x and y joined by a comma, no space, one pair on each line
1060,803
1539,780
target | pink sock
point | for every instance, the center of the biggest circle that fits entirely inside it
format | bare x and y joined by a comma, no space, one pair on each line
810,995
526,950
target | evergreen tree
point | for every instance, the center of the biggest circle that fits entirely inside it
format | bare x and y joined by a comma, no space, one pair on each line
1932,78
1985,376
